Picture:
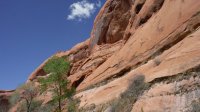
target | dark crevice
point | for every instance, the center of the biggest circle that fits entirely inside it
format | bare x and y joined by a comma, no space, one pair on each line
196,26
41,72
154,9
127,36
110,9
180,38
139,7
109,79
159,4
144,20
75,84
112,6
122,72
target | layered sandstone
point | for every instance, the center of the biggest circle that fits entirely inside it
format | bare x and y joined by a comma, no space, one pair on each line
156,39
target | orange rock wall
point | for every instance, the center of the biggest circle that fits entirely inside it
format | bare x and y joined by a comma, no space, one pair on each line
158,39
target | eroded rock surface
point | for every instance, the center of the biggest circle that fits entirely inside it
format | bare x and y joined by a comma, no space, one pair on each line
172,94
148,40
166,65
111,22
157,39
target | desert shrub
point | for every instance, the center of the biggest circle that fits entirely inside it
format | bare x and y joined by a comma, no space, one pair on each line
49,107
34,107
14,98
25,94
195,106
129,97
72,105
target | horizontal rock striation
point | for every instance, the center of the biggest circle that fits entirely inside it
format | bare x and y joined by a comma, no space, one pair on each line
156,39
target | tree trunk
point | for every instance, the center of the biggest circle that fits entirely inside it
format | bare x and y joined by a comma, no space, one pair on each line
27,105
60,94
60,108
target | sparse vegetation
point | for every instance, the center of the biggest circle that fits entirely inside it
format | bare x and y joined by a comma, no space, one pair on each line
195,106
25,94
14,98
125,103
57,82
130,96
72,105
35,106
49,107
4,108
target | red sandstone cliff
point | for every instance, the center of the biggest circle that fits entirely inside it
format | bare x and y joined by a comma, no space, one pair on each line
156,39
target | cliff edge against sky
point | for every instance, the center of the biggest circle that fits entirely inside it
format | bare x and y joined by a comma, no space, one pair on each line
158,40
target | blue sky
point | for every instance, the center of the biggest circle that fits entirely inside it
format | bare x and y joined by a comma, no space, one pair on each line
33,30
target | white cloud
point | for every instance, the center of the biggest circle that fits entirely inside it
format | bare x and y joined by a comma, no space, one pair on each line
82,10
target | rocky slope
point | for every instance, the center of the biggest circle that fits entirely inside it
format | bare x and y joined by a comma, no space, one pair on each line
156,39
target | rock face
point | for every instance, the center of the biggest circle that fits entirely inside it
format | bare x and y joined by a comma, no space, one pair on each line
157,39
111,22
154,36
172,95
4,99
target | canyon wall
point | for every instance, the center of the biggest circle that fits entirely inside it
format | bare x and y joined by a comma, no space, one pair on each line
158,40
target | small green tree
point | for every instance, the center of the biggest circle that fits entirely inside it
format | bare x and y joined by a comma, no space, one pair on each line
57,82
